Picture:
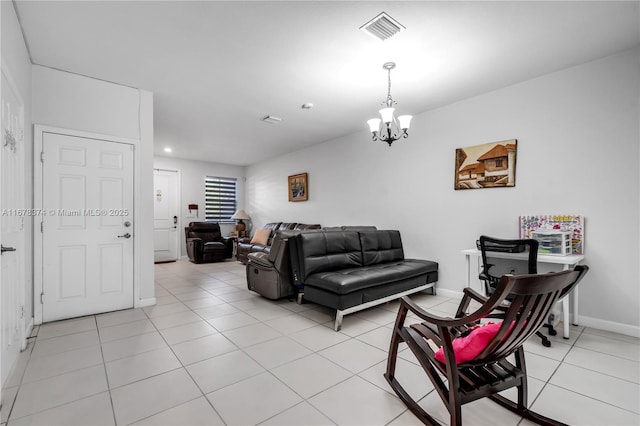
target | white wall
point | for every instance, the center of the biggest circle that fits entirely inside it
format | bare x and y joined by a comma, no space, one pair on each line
192,175
75,102
16,58
578,150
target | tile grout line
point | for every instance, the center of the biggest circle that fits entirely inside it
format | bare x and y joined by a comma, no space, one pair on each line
50,377
106,376
183,367
19,385
573,391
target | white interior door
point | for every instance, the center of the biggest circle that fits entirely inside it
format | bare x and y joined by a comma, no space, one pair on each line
165,215
12,236
88,233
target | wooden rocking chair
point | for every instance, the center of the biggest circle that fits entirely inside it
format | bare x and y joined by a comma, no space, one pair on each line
531,298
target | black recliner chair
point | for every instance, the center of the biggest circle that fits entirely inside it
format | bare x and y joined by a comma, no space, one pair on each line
205,243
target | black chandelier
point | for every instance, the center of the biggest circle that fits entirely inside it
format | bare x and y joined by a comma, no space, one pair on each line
389,129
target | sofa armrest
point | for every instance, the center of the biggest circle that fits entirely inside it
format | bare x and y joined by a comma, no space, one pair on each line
228,244
194,242
260,258
194,248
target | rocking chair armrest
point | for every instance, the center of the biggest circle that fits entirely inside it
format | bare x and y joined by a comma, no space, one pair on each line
488,305
408,304
471,293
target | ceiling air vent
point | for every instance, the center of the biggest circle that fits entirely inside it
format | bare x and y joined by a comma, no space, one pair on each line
382,27
271,119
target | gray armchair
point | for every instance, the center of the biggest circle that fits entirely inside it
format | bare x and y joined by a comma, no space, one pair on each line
269,274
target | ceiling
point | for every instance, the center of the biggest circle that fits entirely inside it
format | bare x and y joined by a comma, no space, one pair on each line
217,67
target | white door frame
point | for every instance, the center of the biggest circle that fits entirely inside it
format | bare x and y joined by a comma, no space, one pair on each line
38,135
178,204
22,246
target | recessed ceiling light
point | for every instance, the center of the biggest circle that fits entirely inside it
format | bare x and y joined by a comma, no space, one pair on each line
271,119
167,149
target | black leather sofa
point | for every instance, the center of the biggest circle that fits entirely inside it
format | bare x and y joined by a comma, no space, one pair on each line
245,246
270,274
205,243
350,271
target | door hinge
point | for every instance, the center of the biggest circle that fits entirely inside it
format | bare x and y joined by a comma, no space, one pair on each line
42,298
41,227
21,311
42,156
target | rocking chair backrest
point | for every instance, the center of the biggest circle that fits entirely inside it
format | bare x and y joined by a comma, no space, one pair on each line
531,298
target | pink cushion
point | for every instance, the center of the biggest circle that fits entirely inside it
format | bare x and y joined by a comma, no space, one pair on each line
468,347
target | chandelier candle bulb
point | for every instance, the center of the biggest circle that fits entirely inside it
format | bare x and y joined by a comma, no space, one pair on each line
387,115
374,124
404,121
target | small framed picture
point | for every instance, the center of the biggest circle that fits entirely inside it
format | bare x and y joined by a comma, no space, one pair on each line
298,187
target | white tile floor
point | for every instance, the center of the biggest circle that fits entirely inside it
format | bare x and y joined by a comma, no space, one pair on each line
213,353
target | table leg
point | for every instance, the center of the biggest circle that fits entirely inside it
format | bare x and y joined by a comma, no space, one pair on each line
565,308
565,317
468,262
575,306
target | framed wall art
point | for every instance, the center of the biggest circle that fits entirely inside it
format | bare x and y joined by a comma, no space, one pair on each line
490,165
298,187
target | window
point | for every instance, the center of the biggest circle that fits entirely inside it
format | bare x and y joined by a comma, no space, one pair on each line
499,163
220,198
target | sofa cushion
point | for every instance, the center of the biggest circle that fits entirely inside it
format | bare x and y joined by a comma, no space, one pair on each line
259,248
213,246
286,226
381,246
205,236
352,279
304,226
328,251
261,236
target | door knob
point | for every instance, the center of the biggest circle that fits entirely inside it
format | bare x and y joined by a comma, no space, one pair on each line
3,249
127,235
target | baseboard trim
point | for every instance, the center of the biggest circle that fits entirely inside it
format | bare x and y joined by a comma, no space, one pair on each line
615,327
142,303
600,324
450,293
27,334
